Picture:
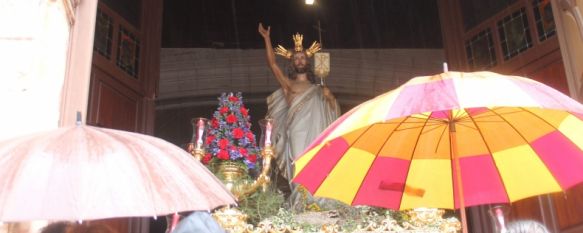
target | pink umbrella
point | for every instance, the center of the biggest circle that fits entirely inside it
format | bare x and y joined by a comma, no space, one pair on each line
85,172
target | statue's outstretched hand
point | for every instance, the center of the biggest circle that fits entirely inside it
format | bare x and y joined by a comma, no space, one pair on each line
264,32
328,95
326,92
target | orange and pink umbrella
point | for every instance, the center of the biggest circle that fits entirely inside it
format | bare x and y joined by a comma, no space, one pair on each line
448,141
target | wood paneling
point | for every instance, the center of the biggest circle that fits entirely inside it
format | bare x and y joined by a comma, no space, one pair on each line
113,105
526,209
569,207
552,74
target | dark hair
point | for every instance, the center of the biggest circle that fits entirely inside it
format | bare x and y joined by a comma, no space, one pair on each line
55,227
90,228
292,74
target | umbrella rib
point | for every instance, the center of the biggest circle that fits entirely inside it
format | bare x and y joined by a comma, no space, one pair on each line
480,117
376,157
512,126
490,152
440,137
417,127
542,119
433,127
556,129
523,138
419,118
466,125
141,161
411,160
457,115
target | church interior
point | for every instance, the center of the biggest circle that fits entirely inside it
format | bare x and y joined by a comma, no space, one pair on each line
153,66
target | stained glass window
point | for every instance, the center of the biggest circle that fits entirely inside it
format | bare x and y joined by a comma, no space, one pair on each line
543,16
480,51
103,34
514,34
128,52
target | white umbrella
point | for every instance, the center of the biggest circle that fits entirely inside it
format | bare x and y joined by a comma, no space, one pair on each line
85,172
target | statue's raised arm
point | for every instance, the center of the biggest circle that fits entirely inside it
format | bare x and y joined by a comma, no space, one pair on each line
270,54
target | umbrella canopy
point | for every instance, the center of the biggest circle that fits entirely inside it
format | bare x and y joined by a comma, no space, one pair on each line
85,172
499,138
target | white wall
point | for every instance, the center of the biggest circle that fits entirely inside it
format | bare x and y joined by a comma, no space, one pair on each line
33,40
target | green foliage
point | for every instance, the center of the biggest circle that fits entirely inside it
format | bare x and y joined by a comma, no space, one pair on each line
348,218
261,205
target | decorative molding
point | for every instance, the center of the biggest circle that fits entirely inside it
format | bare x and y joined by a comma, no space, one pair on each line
70,6
570,6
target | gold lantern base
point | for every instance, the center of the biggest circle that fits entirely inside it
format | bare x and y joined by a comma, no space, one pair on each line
232,220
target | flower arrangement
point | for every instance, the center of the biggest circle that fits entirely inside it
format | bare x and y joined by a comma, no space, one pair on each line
229,137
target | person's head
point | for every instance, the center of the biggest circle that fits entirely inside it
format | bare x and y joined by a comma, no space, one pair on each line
89,228
56,227
300,64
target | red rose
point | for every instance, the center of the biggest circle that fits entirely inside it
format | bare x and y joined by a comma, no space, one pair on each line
210,139
244,111
250,136
238,133
231,119
223,154
215,123
252,158
223,110
243,151
207,157
223,143
233,98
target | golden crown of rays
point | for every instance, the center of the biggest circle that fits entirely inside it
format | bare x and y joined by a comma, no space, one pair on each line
298,47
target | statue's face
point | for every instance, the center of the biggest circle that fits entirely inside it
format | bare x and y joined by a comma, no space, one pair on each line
300,62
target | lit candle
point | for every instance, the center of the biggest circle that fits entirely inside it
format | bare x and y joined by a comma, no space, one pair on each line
500,217
200,126
268,134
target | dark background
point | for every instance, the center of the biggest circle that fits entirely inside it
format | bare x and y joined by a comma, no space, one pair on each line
346,23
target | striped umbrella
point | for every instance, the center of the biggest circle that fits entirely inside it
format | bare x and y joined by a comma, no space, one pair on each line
448,141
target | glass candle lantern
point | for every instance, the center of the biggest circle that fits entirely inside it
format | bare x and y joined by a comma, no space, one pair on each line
267,126
199,126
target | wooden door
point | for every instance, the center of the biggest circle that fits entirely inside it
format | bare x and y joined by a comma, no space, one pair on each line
124,74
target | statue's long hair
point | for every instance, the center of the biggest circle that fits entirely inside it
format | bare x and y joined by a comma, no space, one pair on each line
292,74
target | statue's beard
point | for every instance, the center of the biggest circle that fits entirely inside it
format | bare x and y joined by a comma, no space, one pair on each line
301,70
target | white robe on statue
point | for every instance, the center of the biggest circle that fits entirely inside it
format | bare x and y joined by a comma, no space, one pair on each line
296,126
